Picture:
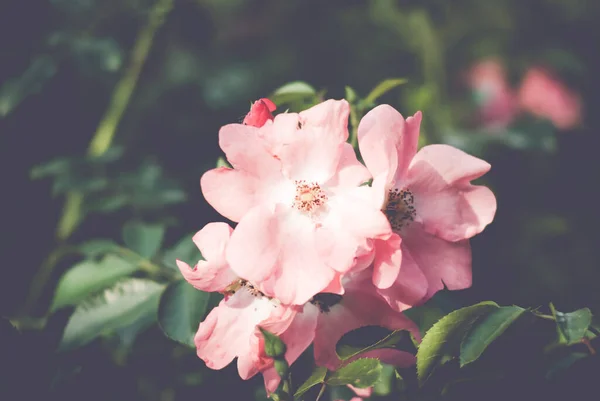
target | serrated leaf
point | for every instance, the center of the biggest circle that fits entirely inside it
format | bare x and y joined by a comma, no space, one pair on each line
485,330
382,88
442,342
572,326
88,277
370,338
114,308
317,377
180,311
145,239
361,373
184,250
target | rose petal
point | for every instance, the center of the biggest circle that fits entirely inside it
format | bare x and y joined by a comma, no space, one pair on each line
441,262
277,251
446,202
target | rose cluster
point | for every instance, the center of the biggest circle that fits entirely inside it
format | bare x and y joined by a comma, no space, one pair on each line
324,244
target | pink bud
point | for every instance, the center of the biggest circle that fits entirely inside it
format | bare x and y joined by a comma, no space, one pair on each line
260,113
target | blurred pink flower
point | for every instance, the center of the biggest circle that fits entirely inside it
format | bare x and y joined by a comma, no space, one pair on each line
260,113
430,203
295,191
544,95
496,99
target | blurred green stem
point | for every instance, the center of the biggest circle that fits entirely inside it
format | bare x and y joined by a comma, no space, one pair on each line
354,118
119,101
101,141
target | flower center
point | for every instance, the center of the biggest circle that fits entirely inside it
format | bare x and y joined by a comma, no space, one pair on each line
309,196
400,209
241,283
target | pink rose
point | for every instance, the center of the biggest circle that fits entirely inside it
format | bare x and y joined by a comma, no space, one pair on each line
295,190
543,95
231,330
497,101
260,113
430,203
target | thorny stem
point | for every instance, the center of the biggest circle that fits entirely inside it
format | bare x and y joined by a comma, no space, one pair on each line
100,143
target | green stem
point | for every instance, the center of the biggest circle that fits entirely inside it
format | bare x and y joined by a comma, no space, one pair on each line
101,141
321,392
354,123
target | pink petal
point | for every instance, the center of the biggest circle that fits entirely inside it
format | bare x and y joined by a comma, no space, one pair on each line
214,273
330,116
247,152
410,286
387,262
358,308
361,392
278,252
350,172
352,214
260,113
312,155
231,192
226,331
271,379
212,239
301,332
441,262
387,142
446,202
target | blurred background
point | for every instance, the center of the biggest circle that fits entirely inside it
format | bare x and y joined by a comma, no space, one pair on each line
109,115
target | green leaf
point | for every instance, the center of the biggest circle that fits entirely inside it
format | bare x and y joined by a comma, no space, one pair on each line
572,326
184,250
88,277
485,330
442,342
386,385
15,90
296,88
98,247
274,347
181,309
114,308
370,338
53,167
317,377
351,95
143,238
361,373
221,162
382,88
293,92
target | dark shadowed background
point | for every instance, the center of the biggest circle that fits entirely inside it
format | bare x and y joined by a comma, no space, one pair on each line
61,61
